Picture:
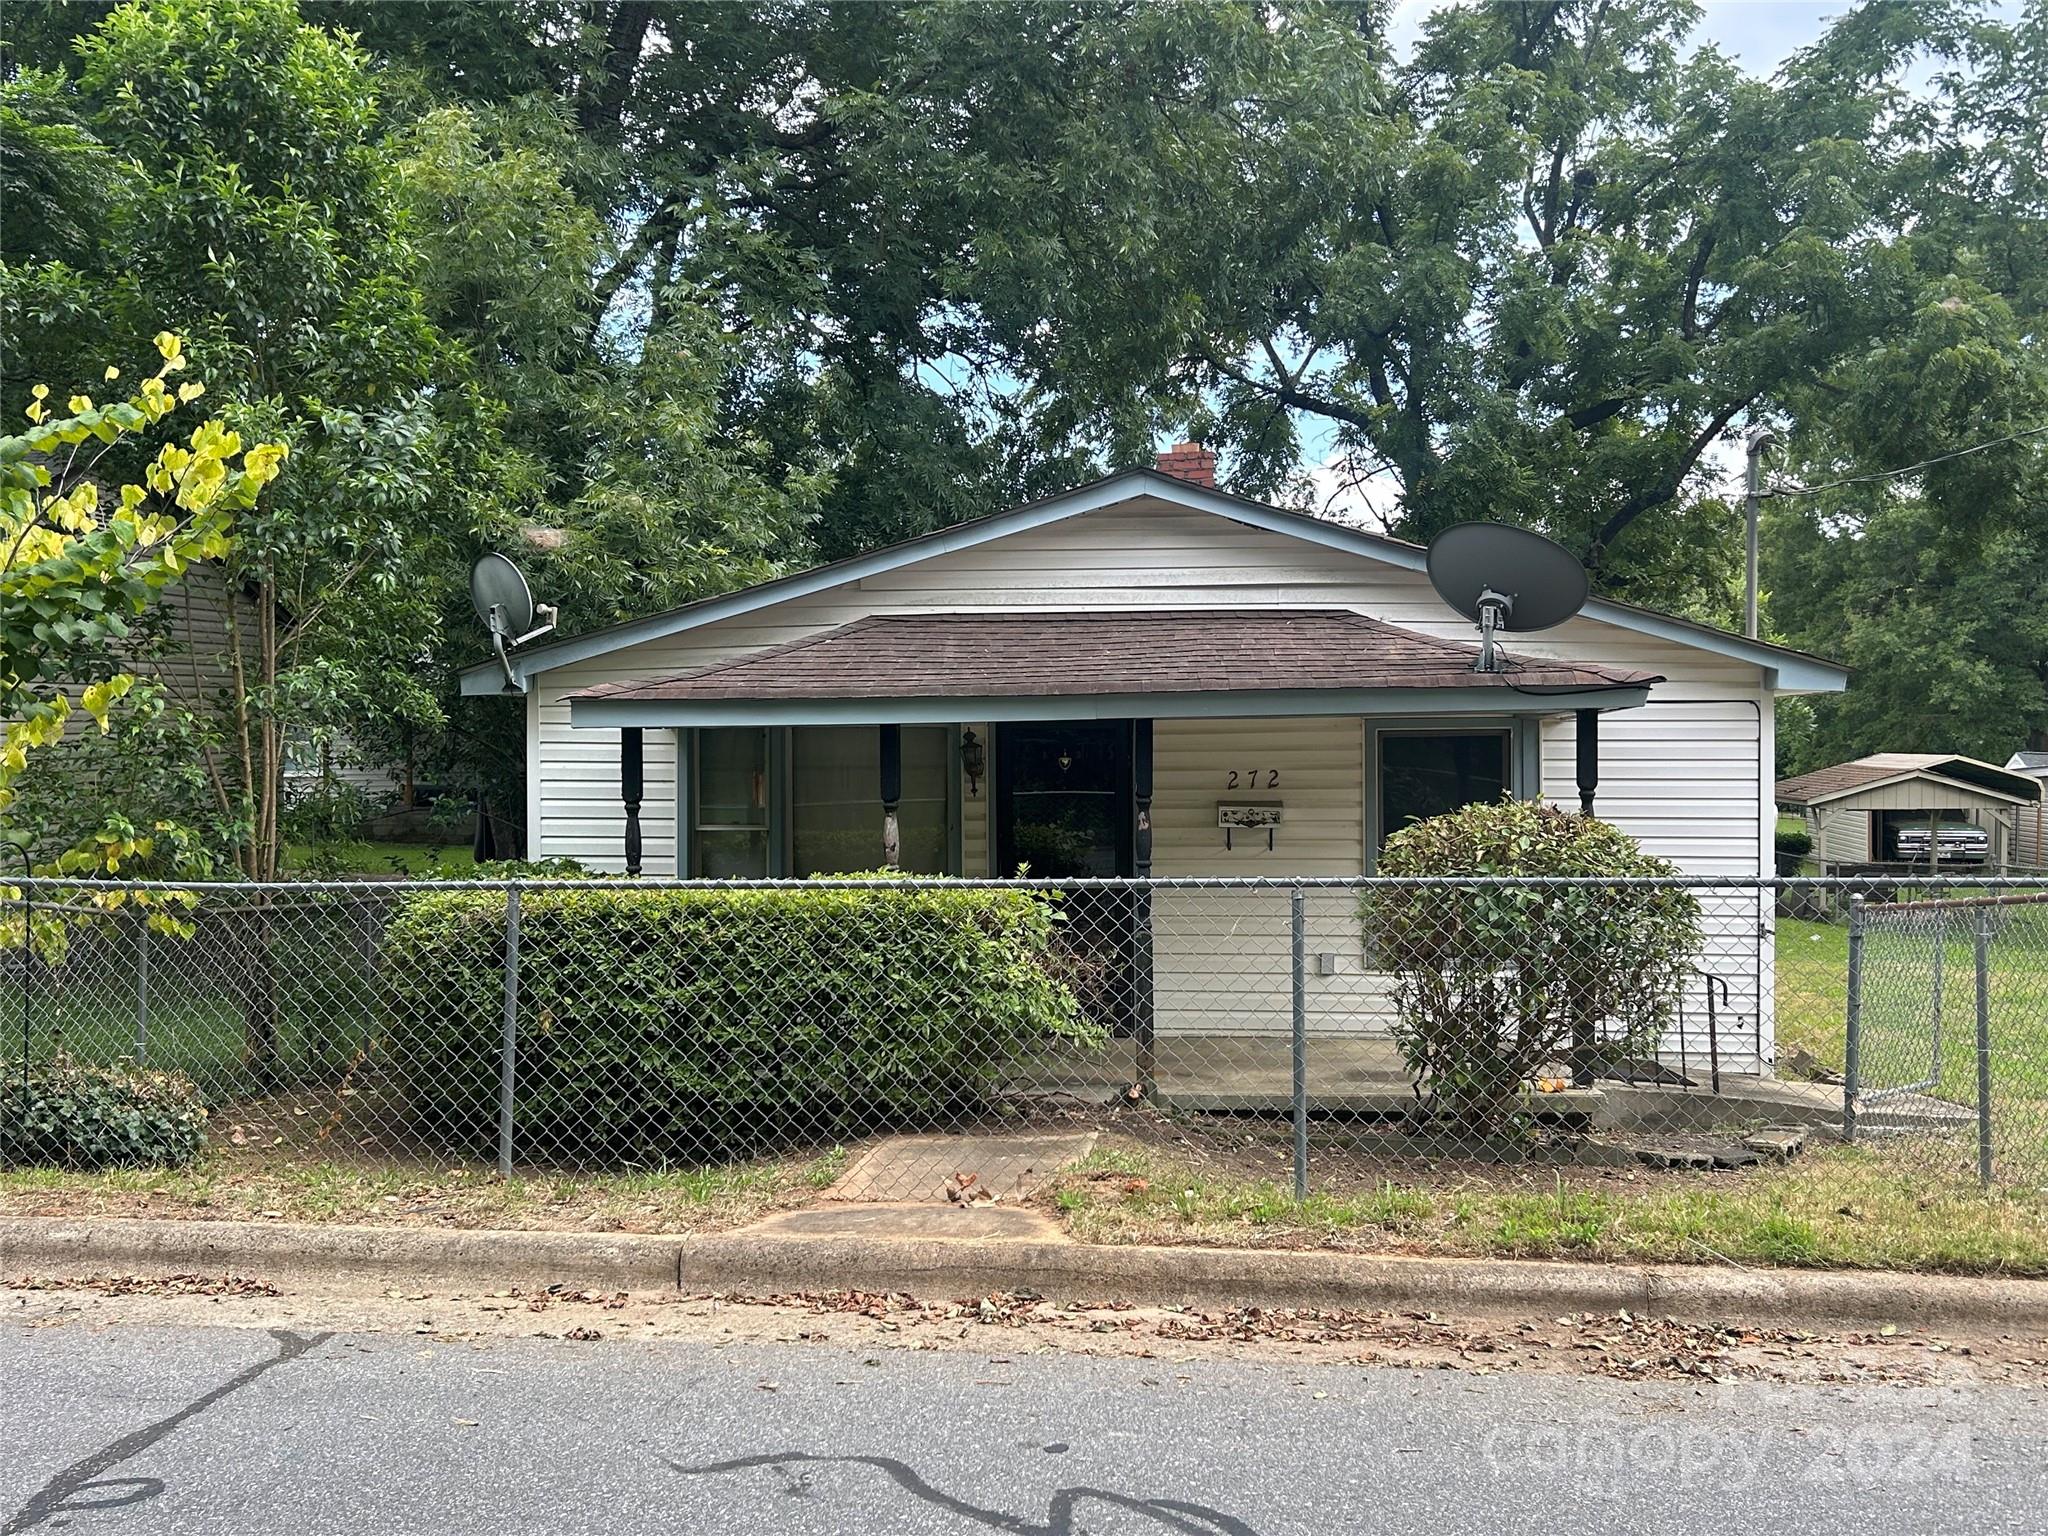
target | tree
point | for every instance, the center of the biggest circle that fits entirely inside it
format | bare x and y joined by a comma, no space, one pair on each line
402,297
1920,554
79,565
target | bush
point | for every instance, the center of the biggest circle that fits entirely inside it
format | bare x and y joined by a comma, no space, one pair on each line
74,1115
1795,842
657,1023
1492,984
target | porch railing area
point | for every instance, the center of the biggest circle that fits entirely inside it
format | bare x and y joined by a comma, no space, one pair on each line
1280,1027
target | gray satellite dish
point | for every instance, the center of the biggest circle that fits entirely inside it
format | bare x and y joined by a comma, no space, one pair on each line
1505,578
505,603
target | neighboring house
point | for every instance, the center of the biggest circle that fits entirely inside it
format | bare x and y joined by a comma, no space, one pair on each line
1885,811
184,642
2030,845
1135,677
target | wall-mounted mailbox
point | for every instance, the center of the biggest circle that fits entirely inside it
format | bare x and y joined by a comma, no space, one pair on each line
1247,816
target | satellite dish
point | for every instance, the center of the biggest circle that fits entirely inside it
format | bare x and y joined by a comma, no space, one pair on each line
505,603
1505,578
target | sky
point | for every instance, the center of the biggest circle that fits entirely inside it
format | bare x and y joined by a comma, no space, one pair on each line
1759,34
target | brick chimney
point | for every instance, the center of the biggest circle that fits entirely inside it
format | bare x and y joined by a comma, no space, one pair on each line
1189,461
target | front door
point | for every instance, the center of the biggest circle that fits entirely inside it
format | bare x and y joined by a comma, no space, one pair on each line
1063,798
1064,811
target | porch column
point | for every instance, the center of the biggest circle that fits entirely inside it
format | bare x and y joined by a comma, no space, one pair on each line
892,795
632,783
1141,924
1589,758
1584,1041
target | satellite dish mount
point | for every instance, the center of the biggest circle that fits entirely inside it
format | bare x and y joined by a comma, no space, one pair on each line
1494,574
505,603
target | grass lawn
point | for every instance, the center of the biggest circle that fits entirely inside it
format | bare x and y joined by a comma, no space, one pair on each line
1841,1207
229,1186
339,860
1898,1016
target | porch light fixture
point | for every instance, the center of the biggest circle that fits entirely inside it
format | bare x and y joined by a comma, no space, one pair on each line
973,761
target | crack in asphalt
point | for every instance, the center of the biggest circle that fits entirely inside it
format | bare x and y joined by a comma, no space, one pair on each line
1172,1514
57,1495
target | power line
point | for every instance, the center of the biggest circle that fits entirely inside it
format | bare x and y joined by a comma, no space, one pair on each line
1893,474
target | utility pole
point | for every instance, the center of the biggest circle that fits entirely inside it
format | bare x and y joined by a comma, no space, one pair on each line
1760,438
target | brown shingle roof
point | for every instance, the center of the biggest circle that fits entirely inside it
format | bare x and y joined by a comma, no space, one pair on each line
1966,772
1058,654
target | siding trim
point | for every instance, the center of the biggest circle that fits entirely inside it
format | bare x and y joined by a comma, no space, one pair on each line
1405,702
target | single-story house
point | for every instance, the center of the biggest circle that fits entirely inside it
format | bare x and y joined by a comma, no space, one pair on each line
1148,676
1895,809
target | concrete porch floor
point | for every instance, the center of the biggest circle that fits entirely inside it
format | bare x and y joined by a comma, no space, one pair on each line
1364,1075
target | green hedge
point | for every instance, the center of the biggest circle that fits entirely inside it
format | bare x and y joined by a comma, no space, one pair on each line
1795,841
658,1023
74,1115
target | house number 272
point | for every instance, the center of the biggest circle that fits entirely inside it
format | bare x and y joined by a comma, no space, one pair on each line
1254,778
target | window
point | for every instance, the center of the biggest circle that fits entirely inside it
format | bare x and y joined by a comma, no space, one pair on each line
836,799
808,801
731,803
1426,773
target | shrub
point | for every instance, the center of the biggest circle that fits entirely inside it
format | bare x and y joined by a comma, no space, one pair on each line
74,1115
662,1022
1494,983
1795,841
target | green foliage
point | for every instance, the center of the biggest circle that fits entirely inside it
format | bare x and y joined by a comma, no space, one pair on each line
659,1023
1795,842
74,1115
1494,983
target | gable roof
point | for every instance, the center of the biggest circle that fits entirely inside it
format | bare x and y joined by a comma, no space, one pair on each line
1107,651
2028,762
1840,779
1791,670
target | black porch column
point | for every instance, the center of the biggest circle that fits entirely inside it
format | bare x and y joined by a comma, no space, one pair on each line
1141,905
892,795
632,784
1584,1043
1589,758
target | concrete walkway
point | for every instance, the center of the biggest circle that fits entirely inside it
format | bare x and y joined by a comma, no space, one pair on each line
958,1170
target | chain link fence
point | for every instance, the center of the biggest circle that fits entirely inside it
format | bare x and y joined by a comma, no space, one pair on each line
920,1038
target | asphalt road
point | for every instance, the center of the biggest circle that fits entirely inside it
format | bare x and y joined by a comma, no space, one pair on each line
137,1429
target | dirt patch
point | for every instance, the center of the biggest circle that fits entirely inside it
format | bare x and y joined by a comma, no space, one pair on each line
1001,1326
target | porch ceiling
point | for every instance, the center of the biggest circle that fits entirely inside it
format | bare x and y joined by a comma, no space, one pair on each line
1160,663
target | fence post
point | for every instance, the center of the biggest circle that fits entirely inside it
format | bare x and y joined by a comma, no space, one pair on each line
1852,1049
508,1061
141,987
1940,978
1299,925
1984,1046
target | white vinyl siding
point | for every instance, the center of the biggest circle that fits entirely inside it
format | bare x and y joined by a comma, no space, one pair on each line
1843,836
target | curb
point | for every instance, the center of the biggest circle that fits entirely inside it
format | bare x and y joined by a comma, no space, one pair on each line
1222,1277
754,1264
613,1261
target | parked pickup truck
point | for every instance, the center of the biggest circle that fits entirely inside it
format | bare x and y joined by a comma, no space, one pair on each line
1961,842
